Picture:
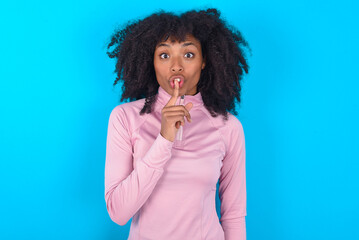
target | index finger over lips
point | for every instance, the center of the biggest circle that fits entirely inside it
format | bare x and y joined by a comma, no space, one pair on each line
174,97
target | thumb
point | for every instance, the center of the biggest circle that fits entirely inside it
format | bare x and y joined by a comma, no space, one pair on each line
189,106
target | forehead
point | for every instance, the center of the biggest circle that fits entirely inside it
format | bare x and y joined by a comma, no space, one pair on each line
172,40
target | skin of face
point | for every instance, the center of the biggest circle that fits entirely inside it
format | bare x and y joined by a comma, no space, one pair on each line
184,59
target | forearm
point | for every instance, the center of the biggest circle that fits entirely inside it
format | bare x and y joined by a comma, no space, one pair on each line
124,198
235,229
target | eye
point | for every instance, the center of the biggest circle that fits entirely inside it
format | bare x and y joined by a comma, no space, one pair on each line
164,55
189,55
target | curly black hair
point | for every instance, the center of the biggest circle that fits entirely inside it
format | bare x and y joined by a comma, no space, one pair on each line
222,49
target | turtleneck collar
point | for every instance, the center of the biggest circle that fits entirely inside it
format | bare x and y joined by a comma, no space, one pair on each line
163,98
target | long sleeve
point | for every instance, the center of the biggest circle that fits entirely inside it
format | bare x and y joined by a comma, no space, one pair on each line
232,185
126,187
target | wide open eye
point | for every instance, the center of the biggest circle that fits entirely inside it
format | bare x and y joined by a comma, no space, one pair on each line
189,55
164,55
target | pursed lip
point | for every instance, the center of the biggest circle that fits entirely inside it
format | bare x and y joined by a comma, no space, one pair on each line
172,78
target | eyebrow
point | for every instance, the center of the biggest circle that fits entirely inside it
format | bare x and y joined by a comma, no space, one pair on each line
183,45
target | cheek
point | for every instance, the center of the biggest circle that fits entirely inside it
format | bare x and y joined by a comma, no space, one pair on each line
196,68
155,65
158,69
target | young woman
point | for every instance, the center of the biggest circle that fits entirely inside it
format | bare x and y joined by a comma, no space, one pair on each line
169,145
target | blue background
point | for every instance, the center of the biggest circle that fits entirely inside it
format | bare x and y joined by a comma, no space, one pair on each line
299,111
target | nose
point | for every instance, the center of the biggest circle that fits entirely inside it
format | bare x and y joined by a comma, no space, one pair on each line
176,65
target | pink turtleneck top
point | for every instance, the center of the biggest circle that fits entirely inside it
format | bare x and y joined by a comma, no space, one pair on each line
168,188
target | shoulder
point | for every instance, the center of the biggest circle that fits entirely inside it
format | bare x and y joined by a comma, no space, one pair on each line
232,124
231,130
129,107
128,114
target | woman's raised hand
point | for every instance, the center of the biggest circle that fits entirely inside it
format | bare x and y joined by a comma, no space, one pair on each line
173,116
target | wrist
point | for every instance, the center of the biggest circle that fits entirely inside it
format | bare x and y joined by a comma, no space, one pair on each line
169,139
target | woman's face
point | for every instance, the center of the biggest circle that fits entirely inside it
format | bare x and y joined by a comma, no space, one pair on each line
183,60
